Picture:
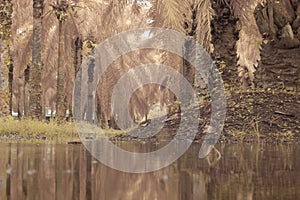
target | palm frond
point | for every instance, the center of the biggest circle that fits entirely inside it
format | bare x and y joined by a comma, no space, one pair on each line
111,13
170,14
204,15
136,9
248,46
20,45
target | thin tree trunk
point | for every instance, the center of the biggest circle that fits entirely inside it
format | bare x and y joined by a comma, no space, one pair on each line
35,93
78,78
26,91
60,97
10,84
90,106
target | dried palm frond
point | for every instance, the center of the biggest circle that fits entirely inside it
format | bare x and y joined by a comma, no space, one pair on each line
204,14
136,9
224,2
111,13
21,48
170,14
248,45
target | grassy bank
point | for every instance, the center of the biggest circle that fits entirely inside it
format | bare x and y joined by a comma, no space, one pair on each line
26,130
33,131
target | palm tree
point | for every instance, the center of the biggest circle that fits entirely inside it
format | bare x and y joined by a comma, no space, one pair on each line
108,17
61,10
173,15
35,82
195,21
22,45
68,17
119,16
199,29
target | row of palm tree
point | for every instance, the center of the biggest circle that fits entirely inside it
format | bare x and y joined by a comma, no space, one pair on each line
62,31
42,63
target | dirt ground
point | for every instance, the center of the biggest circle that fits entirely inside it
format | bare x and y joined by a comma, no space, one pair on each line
251,117
265,115
271,112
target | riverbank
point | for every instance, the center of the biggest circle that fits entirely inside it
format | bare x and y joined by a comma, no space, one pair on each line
252,117
32,131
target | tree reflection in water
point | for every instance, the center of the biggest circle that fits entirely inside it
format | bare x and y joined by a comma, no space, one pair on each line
69,172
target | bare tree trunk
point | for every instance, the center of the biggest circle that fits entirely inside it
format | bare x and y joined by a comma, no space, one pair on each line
60,97
35,92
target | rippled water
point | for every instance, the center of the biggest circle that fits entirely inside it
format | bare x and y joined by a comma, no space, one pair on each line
69,172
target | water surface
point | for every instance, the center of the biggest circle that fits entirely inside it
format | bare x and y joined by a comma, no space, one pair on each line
69,172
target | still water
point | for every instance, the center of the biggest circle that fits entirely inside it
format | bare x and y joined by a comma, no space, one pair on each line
69,172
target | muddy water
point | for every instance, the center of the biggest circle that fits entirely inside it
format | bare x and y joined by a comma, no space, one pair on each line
69,172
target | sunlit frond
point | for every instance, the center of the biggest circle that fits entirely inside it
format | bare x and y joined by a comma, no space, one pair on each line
204,14
170,14
248,46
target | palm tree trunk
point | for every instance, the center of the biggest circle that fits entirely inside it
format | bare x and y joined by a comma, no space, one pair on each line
35,93
60,97
26,91
78,77
5,100
224,37
90,106
6,66
271,18
10,83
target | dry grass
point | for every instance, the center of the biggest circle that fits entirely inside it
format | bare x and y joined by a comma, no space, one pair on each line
32,130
